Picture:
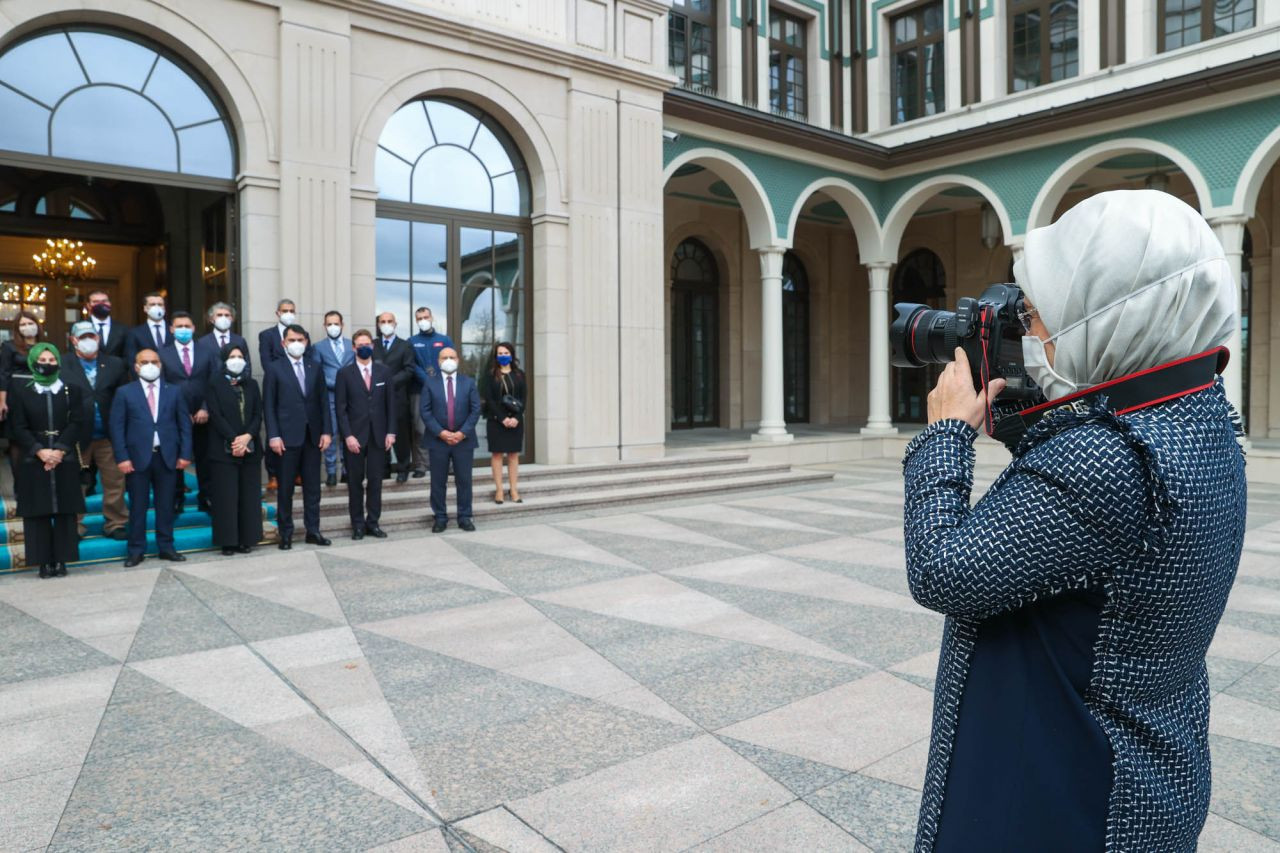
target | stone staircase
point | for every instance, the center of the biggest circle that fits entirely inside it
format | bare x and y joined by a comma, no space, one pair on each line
566,488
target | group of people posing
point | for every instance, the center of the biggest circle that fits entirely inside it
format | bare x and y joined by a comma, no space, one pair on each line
141,405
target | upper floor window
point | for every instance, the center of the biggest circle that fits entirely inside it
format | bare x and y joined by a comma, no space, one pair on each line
787,84
919,65
1184,22
691,43
1044,42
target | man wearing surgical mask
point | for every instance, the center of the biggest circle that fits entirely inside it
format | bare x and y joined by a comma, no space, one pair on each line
333,353
98,375
427,344
221,318
397,355
450,410
188,368
271,349
152,333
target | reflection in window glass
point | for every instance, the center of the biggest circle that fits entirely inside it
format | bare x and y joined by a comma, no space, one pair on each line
430,251
393,248
1185,22
919,64
130,110
1044,40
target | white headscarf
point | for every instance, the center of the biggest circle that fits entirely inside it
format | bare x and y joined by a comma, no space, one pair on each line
1124,281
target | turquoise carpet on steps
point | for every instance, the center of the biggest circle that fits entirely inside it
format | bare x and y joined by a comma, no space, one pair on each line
191,532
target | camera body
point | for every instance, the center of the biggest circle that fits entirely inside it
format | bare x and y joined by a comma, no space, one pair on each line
987,328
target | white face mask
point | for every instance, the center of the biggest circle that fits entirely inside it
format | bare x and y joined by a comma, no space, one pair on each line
424,326
28,330
88,346
1036,361
235,365
156,312
296,348
387,329
288,318
333,330
449,365
222,322
150,372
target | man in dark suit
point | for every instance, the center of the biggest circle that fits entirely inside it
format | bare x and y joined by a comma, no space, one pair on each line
150,431
152,333
271,349
295,406
397,355
366,412
450,411
188,367
333,353
221,317
111,334
98,375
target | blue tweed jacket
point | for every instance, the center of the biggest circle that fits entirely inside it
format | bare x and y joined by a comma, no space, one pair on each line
1151,506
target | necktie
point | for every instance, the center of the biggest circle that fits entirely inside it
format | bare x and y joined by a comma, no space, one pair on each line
222,340
368,383
186,360
157,331
302,377
151,400
448,398
101,326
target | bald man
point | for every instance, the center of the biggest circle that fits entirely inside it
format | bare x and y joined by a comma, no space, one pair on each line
450,409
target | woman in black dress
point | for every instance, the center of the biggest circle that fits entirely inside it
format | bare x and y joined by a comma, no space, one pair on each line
504,391
235,477
24,332
44,422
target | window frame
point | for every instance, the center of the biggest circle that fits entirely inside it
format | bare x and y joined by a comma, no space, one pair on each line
1206,25
691,17
798,52
916,10
1017,7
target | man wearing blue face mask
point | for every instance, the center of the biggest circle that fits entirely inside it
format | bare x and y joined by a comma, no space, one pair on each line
188,367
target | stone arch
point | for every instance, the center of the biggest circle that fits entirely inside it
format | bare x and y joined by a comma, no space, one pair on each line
1254,174
1053,190
762,229
256,145
895,224
856,207
545,177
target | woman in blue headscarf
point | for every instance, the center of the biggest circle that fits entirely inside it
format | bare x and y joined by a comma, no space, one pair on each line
1082,591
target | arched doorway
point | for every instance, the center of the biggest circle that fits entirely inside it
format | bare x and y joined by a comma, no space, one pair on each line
695,337
795,339
453,230
919,277
116,142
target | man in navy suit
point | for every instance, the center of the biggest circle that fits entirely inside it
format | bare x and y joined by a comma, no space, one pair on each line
333,352
450,411
189,366
271,349
152,333
151,440
222,317
295,406
366,410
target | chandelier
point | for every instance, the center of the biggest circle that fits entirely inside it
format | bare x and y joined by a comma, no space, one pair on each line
64,259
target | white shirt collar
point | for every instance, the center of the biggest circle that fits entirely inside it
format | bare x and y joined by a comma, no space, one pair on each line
297,360
52,388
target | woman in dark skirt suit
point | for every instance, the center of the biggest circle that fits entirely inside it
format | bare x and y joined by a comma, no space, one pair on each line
505,425
44,422
235,476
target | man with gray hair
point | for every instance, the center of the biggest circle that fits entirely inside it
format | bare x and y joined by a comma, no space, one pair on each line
222,317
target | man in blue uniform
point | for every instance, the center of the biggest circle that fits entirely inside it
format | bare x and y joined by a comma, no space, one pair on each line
427,344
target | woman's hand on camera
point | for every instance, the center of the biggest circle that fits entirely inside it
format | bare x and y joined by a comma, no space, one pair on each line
954,397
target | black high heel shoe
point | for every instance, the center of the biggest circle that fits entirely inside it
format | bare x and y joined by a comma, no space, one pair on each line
45,571
228,550
60,571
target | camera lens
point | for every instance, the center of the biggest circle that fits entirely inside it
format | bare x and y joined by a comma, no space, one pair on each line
922,335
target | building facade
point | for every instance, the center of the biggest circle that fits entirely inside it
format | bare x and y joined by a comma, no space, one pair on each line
683,214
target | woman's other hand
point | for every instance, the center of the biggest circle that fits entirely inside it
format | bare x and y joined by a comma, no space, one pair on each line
954,397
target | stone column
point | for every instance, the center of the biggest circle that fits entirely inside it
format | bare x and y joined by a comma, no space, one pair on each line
773,426
878,419
1230,231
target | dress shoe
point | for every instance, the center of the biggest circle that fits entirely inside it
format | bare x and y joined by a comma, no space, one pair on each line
273,484
419,473
402,477
331,480
133,560
467,525
285,544
317,539
439,527
46,571
172,556
228,551
343,478
357,534
60,570
243,549
376,532
119,534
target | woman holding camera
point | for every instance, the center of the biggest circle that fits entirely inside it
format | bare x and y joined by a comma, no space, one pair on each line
504,392
1072,703
235,478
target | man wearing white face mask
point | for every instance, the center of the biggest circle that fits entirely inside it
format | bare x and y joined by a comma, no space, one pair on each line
152,333
397,355
98,375
221,318
271,349
427,343
334,353
450,410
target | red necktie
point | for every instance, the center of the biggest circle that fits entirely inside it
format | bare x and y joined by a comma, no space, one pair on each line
448,401
186,360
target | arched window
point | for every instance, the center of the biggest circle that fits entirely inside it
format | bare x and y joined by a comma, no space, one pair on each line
695,337
919,278
85,94
795,339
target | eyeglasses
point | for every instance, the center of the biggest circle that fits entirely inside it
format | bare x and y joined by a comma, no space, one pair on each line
1026,315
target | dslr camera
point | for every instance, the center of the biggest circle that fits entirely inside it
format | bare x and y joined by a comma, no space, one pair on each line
987,328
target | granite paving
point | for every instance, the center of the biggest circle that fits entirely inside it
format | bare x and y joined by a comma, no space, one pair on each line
737,673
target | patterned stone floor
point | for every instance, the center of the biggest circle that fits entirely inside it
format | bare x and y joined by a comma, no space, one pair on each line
747,674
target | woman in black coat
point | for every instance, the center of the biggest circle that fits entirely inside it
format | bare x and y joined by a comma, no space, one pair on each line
44,421
23,334
504,422
234,404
